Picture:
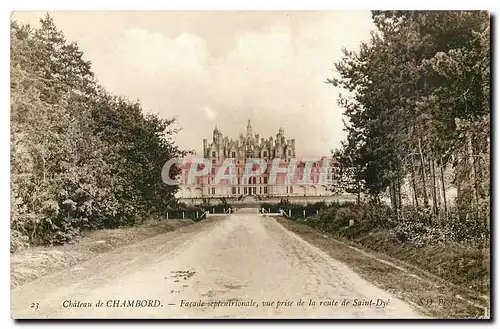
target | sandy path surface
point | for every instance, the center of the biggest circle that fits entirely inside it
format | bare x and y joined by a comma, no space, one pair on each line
222,268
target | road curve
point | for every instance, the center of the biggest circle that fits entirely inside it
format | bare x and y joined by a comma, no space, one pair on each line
224,268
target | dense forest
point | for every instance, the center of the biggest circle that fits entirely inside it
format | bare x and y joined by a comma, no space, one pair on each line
417,107
81,158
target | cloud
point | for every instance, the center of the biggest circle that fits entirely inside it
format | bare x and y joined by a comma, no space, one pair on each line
147,58
211,115
270,49
222,68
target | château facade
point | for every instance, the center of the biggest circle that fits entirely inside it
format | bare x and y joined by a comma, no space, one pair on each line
249,146
252,146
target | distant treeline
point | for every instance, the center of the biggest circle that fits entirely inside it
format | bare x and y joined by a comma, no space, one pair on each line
81,158
194,212
295,210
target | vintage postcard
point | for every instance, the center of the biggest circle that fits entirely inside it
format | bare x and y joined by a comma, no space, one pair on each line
250,164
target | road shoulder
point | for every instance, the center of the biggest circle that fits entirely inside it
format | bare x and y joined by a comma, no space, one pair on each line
427,293
35,262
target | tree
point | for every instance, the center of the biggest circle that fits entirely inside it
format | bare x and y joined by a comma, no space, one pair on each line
80,157
415,96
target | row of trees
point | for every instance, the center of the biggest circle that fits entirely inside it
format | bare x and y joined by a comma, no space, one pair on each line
81,158
417,103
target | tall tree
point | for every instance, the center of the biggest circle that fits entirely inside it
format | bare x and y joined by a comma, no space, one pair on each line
80,157
416,94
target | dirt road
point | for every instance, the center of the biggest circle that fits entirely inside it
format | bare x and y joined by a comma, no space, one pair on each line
239,266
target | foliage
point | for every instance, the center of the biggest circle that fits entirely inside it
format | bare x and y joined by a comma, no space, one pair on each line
417,105
80,157
454,250
350,219
224,202
294,209
183,211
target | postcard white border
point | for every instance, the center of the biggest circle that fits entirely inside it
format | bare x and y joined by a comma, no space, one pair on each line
8,7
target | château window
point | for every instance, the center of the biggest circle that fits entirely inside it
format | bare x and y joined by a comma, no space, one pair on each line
291,189
234,154
265,180
213,154
234,190
264,154
265,189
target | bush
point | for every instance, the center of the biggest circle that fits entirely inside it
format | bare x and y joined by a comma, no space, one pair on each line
365,217
81,158
467,228
415,226
420,227
296,210
452,250
195,212
18,241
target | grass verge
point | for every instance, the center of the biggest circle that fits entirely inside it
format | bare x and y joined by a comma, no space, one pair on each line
427,292
35,262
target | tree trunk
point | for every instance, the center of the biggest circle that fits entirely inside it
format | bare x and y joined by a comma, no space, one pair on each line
460,176
424,181
415,195
358,199
400,198
391,194
443,188
474,171
435,195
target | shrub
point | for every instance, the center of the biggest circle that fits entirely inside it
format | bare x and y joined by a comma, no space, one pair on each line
467,228
451,249
18,241
365,217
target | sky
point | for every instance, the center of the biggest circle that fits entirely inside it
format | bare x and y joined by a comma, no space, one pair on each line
221,68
